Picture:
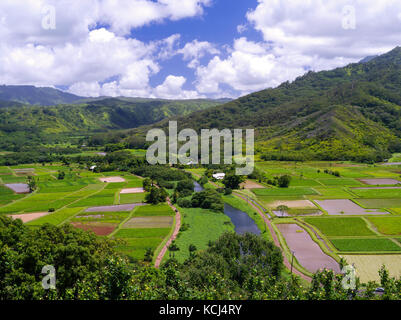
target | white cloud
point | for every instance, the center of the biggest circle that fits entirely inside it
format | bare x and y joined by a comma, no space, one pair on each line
100,56
297,35
195,50
315,27
300,35
172,89
241,28
254,66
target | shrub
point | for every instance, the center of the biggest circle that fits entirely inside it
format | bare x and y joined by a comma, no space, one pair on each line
184,203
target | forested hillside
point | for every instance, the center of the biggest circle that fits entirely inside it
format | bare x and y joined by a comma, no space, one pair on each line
350,113
33,125
36,96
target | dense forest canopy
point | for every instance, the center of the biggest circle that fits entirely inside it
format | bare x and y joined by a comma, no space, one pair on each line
350,113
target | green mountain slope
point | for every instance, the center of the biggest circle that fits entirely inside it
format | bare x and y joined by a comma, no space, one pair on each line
34,125
350,113
36,96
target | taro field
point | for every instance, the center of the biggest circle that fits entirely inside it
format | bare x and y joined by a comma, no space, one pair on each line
351,211
109,204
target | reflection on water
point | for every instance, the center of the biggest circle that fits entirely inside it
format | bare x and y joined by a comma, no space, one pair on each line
242,222
197,187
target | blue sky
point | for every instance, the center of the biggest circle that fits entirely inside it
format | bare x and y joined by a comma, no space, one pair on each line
184,49
217,25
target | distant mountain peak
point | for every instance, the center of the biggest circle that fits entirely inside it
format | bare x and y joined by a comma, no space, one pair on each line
44,96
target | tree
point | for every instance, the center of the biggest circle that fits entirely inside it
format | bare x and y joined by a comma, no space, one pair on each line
203,180
284,181
148,255
147,184
233,181
156,195
173,248
282,209
32,184
192,248
61,175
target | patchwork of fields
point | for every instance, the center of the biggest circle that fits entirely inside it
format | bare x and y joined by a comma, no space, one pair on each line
350,210
109,204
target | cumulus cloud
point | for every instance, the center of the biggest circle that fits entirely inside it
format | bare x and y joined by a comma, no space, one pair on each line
322,27
195,50
172,89
301,35
92,60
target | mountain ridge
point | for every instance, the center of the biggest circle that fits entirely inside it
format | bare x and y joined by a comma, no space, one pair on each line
366,98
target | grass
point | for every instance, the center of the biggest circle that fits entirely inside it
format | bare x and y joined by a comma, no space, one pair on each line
378,193
335,227
340,182
143,233
387,225
135,248
380,203
105,217
157,210
132,198
365,245
284,191
204,226
331,193
56,218
149,222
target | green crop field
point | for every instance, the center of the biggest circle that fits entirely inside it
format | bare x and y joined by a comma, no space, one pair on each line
143,233
158,210
339,182
204,226
132,198
335,227
284,192
374,193
387,225
56,218
365,245
331,193
380,203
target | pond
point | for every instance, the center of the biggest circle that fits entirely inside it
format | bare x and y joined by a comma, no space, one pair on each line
240,219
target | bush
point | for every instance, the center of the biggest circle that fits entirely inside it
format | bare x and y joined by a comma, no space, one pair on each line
227,191
208,199
284,181
184,203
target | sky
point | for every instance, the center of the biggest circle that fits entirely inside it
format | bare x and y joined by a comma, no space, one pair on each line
186,49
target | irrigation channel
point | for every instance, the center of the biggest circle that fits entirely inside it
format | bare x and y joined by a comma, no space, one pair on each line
240,219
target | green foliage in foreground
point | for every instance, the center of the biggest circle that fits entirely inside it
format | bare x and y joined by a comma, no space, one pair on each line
234,267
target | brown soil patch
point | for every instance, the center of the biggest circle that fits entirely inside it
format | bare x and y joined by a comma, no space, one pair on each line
132,190
149,222
307,252
112,179
98,228
249,184
29,216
